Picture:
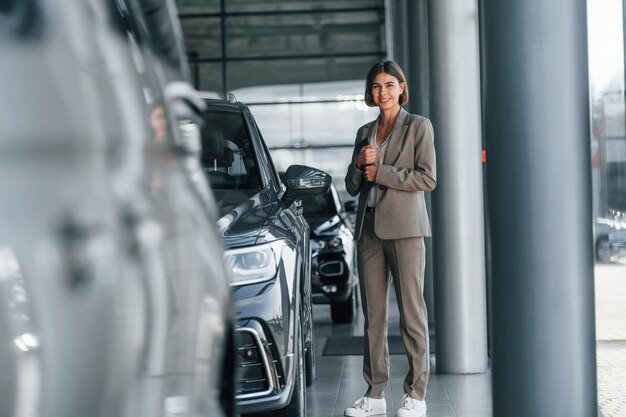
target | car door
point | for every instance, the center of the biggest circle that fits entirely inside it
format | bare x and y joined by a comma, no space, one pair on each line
294,218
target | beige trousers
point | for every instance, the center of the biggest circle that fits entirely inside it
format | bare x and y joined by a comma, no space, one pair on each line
404,258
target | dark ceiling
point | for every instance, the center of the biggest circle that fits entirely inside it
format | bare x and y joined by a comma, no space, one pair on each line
268,42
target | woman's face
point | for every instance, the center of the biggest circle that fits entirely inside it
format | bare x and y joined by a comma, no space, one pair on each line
158,122
386,90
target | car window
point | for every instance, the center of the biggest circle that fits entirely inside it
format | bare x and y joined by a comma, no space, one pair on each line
275,178
228,158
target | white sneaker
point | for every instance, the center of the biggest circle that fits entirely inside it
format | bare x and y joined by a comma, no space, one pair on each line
411,407
366,406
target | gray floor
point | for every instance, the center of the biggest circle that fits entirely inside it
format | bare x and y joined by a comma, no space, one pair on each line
610,293
340,382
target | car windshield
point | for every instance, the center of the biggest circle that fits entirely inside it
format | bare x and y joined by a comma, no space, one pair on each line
227,154
318,205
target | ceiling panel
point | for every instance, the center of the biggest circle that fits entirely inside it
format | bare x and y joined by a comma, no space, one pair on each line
198,6
203,37
289,5
264,40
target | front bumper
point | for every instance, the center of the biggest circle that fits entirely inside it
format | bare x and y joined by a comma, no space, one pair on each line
260,377
264,345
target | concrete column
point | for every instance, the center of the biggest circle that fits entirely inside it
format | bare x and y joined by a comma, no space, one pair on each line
458,235
539,180
408,46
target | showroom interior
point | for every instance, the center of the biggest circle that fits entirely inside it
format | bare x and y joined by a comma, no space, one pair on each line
117,290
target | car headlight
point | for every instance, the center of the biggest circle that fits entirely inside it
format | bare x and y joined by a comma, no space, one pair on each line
253,264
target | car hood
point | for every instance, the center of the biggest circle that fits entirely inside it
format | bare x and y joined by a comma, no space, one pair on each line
323,225
243,216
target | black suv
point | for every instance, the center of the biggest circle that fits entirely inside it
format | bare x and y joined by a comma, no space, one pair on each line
268,259
334,273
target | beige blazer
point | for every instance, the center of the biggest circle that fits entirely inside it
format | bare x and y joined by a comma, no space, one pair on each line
408,169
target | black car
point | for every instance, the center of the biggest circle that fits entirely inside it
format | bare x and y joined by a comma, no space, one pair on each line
611,237
267,257
333,273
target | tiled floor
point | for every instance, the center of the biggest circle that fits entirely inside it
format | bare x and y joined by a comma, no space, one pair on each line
610,294
340,381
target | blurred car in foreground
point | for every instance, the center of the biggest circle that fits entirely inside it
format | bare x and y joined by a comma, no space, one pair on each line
113,293
333,266
267,258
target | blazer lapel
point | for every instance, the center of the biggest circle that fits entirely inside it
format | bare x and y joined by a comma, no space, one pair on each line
368,130
395,145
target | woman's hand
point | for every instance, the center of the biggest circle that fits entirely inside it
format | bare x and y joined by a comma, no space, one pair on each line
370,172
367,156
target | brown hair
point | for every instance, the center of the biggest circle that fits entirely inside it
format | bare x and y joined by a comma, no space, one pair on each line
388,67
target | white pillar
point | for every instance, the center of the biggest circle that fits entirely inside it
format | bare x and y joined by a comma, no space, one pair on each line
458,215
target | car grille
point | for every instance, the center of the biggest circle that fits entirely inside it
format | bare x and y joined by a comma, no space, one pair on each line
256,375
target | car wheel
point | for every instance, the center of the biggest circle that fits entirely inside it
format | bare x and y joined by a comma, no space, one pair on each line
343,312
297,405
603,249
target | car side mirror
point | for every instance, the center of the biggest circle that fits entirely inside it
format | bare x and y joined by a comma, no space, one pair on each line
350,206
303,181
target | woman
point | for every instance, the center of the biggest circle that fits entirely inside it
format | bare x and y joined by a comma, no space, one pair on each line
392,165
158,122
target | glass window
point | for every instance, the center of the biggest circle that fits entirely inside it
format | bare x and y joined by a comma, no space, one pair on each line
312,124
275,179
309,115
227,153
608,167
608,136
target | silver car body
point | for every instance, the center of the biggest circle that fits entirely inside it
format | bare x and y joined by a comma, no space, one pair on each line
113,295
